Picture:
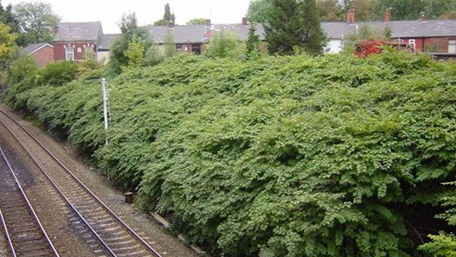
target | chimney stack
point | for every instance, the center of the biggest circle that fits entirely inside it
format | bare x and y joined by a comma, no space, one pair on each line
351,16
387,16
423,18
244,21
208,22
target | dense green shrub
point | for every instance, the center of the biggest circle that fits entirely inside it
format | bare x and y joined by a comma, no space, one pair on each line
57,73
281,156
24,67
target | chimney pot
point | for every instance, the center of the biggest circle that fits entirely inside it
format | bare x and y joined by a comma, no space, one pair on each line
387,15
423,18
208,22
244,21
351,16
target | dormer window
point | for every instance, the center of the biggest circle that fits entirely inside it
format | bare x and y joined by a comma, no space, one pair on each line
69,53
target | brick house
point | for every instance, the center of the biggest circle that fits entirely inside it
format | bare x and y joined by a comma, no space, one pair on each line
436,37
74,40
42,53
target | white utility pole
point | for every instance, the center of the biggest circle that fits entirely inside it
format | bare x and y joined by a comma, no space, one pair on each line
105,104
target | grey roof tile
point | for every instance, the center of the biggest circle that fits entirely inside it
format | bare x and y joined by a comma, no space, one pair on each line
78,31
32,48
106,41
406,29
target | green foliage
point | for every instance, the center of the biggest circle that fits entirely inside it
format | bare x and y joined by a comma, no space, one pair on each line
8,47
153,56
134,53
253,43
170,46
259,11
23,68
57,73
442,245
126,50
224,44
168,17
197,21
36,21
278,156
294,24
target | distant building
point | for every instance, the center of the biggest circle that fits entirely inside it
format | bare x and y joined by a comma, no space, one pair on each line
436,37
75,40
42,53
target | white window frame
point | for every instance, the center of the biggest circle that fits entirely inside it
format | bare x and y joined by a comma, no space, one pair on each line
69,53
452,46
412,43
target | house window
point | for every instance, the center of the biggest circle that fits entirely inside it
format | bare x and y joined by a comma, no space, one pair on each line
178,47
69,53
412,43
452,46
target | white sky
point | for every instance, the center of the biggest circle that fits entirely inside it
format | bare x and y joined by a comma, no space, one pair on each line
148,11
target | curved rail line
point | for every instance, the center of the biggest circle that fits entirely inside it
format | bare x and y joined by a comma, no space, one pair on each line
27,235
103,236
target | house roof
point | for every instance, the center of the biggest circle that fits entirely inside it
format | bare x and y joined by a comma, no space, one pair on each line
405,29
199,33
78,31
30,49
106,41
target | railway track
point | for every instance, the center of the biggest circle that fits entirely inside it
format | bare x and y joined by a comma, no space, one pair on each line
116,237
25,234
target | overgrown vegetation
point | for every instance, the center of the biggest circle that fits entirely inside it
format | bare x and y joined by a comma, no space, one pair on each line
276,156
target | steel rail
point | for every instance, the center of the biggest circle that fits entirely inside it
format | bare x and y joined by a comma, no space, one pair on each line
8,238
65,198
35,216
132,232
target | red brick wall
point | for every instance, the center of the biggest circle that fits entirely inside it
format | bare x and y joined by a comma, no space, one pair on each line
435,44
44,56
59,49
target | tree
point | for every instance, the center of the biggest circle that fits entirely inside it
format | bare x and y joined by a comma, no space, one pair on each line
134,53
168,17
330,10
8,49
170,47
224,44
259,11
7,18
122,50
253,43
197,21
294,25
413,9
36,22
22,68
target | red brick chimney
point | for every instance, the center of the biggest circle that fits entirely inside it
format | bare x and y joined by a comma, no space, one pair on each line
244,21
351,16
387,16
423,17
208,22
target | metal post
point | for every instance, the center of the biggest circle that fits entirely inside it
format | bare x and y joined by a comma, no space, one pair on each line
105,105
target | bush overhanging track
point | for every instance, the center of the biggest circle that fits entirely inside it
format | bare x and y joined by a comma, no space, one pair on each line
25,234
116,236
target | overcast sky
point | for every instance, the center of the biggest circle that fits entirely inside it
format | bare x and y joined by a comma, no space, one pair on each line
109,12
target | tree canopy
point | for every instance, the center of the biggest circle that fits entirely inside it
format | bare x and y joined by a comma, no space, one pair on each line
197,21
168,17
130,48
36,22
294,25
